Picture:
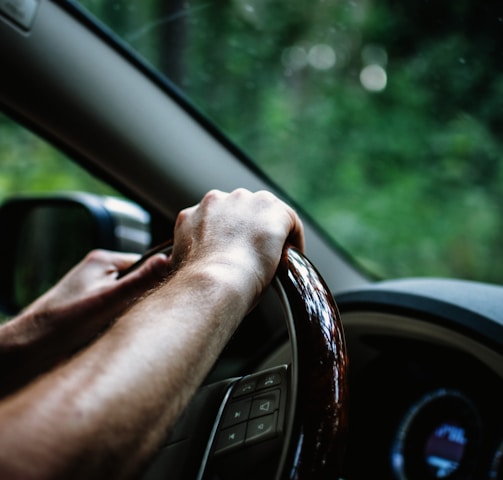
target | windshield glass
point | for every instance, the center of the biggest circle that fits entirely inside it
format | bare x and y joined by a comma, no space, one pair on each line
381,118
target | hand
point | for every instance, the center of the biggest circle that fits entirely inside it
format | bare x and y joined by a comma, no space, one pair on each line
243,233
73,312
96,277
151,360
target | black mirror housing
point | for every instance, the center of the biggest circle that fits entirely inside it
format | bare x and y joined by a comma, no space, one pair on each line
41,238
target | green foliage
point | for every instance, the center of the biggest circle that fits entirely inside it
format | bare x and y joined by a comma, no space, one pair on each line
30,165
408,178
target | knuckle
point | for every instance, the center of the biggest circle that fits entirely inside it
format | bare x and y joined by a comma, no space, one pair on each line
239,192
212,195
96,255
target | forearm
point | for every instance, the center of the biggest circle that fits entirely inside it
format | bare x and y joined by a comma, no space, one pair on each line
27,348
33,342
72,314
111,399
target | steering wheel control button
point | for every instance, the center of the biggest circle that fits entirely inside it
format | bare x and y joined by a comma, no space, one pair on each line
254,413
265,404
237,412
271,380
245,387
231,438
261,428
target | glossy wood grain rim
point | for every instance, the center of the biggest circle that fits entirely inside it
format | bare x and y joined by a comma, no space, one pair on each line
320,373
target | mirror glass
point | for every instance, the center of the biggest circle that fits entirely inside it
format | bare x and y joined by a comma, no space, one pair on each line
52,238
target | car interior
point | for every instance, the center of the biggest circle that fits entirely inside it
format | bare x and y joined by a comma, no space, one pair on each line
339,372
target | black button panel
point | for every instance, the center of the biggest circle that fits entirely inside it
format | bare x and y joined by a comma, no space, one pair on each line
262,428
237,412
231,437
245,387
269,380
255,411
266,402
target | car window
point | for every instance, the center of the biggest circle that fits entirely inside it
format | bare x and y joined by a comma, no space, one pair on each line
381,118
30,165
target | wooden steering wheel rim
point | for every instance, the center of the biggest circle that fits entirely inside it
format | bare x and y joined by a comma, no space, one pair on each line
318,421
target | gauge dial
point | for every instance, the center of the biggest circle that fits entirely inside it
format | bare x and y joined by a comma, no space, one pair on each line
439,437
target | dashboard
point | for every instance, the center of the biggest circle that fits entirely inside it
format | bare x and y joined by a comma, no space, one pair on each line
426,378
425,389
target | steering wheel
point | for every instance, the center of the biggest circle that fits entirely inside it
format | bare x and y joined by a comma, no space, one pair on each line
319,368
310,396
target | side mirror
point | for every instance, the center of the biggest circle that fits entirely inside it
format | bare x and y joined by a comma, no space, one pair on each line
42,238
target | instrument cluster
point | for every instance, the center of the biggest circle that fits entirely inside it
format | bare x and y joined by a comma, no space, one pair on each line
424,412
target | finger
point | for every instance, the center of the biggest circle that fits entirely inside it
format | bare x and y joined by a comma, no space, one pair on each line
295,230
296,235
153,270
156,267
121,261
107,262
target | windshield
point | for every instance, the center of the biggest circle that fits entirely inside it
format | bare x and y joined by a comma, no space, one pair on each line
381,118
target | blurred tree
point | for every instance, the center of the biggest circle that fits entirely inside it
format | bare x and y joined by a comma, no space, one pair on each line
382,118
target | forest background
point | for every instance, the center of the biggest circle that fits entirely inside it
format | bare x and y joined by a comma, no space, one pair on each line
382,119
